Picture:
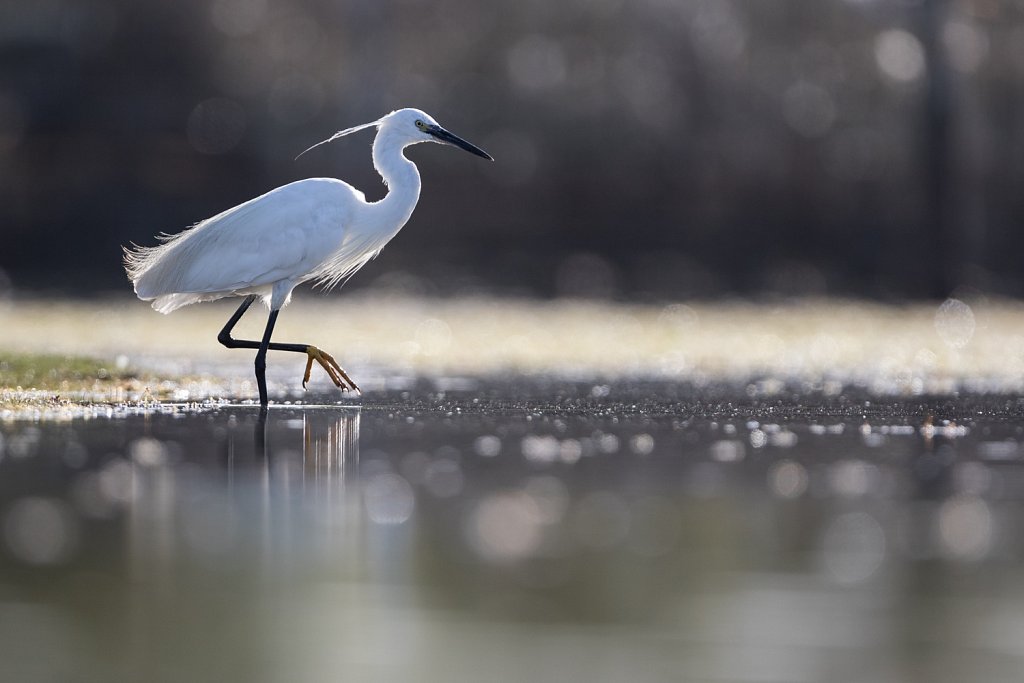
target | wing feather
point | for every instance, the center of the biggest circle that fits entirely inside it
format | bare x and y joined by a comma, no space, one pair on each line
286,234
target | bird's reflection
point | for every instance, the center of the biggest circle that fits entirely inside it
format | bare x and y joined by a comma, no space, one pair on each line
311,446
290,498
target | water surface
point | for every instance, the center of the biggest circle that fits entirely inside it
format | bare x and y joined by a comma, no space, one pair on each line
463,530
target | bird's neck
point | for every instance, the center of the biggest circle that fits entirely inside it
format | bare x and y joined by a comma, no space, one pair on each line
402,178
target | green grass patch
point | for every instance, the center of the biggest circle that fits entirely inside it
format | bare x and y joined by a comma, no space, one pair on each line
51,371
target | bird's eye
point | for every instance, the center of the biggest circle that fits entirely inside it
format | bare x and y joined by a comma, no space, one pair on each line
419,123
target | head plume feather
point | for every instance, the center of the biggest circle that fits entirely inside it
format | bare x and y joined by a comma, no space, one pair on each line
341,133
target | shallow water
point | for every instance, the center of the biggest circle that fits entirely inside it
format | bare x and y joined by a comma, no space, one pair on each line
539,530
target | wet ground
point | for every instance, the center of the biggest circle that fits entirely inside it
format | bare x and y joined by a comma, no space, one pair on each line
541,530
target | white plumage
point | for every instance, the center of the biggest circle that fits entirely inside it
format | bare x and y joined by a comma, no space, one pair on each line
306,230
316,229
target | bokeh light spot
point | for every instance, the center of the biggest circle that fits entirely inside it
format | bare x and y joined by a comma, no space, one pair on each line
732,450
717,33
852,478
487,445
853,548
642,444
443,478
537,62
216,125
148,452
966,45
900,55
966,528
505,527
954,323
388,498
117,481
550,496
238,17
788,479
40,530
541,448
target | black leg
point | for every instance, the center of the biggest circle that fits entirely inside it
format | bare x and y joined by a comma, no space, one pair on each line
261,359
225,338
334,370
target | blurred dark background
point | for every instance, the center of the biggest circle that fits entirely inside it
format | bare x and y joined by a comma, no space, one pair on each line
654,149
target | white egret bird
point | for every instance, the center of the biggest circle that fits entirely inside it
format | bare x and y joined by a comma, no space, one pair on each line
320,229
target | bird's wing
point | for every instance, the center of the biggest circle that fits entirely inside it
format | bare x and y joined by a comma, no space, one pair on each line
284,234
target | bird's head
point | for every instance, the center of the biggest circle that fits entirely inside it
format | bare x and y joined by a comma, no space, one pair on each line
412,126
409,127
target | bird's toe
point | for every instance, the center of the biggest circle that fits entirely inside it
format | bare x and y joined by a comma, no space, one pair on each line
331,367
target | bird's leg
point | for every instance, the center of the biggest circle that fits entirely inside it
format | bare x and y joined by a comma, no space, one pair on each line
334,371
224,337
261,359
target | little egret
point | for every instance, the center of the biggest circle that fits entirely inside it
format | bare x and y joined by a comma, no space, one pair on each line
320,229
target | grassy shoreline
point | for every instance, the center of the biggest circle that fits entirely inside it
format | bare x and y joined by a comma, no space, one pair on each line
60,372
51,381
118,346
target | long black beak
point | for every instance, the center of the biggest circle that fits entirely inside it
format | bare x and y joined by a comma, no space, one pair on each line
447,138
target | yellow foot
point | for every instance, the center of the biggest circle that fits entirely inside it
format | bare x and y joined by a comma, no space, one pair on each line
328,363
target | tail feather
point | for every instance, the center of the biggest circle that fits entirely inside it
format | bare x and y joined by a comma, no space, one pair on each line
172,302
148,270
143,267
